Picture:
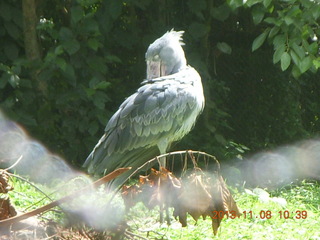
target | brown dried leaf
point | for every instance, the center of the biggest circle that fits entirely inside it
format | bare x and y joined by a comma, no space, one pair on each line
229,203
199,194
4,182
223,202
153,189
130,195
194,198
202,195
6,209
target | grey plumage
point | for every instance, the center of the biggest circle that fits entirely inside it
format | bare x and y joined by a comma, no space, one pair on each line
161,111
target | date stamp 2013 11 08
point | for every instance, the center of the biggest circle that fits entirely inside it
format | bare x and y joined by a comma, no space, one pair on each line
263,214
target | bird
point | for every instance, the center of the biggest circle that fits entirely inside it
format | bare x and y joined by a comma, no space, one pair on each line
162,111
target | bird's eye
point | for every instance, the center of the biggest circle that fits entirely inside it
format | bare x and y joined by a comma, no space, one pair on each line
156,58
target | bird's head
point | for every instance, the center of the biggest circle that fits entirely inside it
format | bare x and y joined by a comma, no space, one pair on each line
165,55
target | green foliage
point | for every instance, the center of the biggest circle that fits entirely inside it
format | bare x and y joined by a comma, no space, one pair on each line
92,57
292,27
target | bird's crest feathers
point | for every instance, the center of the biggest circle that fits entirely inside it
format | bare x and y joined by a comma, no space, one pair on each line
174,35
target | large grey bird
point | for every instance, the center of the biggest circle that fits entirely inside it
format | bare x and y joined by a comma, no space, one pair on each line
161,111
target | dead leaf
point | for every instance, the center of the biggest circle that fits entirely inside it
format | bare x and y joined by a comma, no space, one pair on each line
4,182
6,209
199,194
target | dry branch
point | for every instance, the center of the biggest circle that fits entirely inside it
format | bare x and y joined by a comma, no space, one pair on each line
67,198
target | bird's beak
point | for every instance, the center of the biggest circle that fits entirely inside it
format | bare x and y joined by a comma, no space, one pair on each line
155,69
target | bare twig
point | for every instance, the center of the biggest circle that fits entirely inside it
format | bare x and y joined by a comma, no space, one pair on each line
15,164
33,185
55,203
186,152
132,235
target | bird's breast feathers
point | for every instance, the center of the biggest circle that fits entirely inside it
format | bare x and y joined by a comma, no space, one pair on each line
162,108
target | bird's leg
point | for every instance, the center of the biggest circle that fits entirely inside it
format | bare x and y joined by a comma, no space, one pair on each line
163,145
163,162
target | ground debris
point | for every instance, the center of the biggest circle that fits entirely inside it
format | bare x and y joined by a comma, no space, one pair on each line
6,209
5,187
199,194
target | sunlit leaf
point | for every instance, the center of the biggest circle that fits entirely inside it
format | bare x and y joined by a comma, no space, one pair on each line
298,50
278,53
266,3
295,58
259,40
274,31
305,64
257,14
285,61
316,63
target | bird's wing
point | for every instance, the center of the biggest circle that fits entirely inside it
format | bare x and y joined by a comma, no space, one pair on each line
158,110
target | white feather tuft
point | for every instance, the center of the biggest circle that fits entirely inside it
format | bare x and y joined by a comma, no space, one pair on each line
177,36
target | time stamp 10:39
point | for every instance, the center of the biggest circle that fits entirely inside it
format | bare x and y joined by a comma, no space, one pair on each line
263,214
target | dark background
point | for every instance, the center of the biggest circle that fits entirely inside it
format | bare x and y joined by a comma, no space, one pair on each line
68,72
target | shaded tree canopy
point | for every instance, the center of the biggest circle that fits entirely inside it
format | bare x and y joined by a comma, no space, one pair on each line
66,66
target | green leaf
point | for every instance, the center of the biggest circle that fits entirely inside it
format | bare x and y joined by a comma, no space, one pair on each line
257,14
58,50
220,139
278,53
102,85
279,40
313,48
272,20
14,80
100,99
305,64
295,72
295,58
97,64
285,61
94,44
198,30
316,63
274,31
316,12
71,46
65,34
224,47
113,59
259,40
288,20
93,128
221,13
234,4
4,80
266,3
298,49
77,14
114,7
62,64
250,3
70,75
91,26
